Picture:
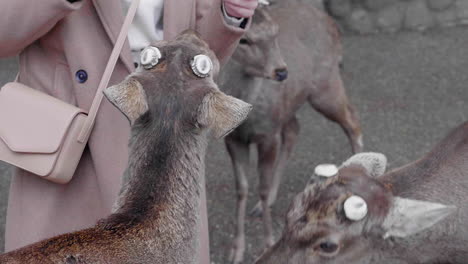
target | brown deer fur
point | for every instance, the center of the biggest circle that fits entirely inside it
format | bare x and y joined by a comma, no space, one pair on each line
429,225
155,219
307,41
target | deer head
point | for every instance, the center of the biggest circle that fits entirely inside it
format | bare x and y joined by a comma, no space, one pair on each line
341,218
258,50
175,85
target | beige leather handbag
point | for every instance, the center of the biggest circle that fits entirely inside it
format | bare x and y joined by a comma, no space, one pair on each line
47,136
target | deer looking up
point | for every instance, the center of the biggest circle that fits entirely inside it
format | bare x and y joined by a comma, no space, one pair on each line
414,214
172,106
307,41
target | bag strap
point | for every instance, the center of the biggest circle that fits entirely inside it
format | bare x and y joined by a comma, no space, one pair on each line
89,123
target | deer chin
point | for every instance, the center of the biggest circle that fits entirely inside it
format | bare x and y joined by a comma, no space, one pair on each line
253,72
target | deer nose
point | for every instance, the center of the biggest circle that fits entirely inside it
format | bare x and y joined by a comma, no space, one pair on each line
281,74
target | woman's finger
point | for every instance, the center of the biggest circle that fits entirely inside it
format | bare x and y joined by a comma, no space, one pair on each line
240,8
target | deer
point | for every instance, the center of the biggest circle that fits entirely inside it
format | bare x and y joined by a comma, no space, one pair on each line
173,107
417,213
290,56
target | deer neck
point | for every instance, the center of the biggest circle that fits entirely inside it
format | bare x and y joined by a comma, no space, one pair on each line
394,250
161,187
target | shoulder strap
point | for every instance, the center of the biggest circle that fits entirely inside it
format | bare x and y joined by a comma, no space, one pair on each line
88,125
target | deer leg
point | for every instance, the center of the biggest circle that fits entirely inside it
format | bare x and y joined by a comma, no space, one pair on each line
268,154
239,153
331,100
289,134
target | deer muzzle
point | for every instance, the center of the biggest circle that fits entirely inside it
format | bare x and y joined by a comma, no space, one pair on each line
281,74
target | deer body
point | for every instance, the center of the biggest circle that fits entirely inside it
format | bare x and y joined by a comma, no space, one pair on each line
157,220
156,217
430,227
305,39
309,43
440,176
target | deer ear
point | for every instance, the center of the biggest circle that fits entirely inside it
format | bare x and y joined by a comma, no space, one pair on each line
129,97
375,163
408,217
222,113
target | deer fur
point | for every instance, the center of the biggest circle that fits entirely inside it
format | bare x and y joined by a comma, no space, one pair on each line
306,40
156,216
417,213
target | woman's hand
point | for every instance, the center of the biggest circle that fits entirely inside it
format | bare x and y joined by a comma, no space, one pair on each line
240,8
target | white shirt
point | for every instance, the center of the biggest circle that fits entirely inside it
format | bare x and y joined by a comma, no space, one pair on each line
147,26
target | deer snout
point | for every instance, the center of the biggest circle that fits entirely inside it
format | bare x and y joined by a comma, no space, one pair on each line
281,74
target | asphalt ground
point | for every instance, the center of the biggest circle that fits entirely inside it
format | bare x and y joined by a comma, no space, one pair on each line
409,89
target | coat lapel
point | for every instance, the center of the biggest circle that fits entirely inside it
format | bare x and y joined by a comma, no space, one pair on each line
111,14
179,15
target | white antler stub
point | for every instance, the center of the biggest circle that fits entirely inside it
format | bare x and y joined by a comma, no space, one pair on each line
355,208
326,170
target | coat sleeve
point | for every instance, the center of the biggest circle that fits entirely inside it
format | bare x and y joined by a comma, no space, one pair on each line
24,21
211,24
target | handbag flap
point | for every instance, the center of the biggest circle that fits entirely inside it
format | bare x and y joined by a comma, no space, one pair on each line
32,121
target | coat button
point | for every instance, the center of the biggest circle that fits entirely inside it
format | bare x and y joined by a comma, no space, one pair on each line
81,76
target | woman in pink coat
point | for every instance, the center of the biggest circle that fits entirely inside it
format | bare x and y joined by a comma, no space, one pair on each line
63,47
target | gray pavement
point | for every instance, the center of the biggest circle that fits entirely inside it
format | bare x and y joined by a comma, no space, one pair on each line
410,90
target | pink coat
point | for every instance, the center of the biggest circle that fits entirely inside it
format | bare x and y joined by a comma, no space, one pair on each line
63,49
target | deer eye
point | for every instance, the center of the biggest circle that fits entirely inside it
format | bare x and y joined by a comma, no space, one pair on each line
303,219
328,247
244,41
